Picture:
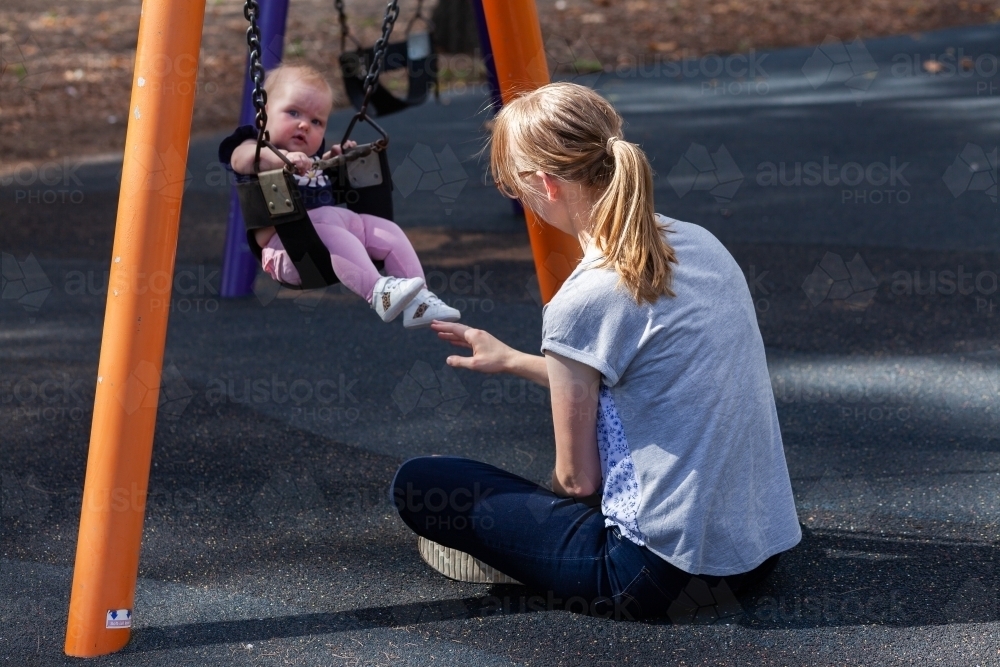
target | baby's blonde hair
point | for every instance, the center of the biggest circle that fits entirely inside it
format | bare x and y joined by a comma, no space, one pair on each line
572,133
306,74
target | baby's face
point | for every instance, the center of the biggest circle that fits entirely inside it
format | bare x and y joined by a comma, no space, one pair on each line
296,116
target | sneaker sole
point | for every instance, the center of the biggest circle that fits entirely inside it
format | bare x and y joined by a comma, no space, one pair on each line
459,565
397,308
424,324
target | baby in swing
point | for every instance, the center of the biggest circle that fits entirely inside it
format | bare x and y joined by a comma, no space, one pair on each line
299,101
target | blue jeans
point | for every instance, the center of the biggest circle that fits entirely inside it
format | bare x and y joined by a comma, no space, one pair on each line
555,545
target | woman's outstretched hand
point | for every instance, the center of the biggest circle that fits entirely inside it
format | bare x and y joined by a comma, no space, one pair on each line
489,355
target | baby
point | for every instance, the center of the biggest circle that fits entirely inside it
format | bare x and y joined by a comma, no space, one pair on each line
299,100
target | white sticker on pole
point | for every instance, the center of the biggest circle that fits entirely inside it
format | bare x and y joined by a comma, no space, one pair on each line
118,618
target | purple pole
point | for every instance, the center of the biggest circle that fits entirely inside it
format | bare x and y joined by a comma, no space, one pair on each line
496,100
239,266
487,50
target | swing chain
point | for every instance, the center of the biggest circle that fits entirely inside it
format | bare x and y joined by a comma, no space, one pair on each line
371,80
418,16
259,96
345,31
381,44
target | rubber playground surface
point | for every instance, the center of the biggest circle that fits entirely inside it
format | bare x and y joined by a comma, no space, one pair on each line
854,185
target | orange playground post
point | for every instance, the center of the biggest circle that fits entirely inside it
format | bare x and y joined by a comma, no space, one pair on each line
519,56
135,326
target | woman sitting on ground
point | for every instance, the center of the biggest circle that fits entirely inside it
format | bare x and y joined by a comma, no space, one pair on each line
669,465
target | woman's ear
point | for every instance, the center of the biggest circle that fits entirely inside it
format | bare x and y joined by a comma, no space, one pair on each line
552,186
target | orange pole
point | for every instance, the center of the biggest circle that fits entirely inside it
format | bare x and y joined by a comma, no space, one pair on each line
519,56
135,327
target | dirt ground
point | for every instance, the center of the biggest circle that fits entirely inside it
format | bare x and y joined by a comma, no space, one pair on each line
66,69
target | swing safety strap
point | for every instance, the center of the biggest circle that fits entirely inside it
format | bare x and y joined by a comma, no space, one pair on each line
273,198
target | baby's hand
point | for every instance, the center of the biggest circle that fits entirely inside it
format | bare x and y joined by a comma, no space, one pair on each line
303,163
336,150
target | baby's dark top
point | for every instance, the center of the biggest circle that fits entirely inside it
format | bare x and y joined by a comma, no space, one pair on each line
315,187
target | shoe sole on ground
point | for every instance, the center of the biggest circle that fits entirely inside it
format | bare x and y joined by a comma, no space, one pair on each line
459,565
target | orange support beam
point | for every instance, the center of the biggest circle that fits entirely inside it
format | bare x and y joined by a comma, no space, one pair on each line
135,327
519,56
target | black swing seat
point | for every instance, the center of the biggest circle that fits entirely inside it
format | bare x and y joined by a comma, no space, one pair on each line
361,180
416,54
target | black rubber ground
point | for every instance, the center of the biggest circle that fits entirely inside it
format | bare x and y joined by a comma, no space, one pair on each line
269,537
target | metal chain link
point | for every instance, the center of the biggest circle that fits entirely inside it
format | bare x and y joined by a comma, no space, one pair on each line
371,80
381,44
251,10
417,16
345,32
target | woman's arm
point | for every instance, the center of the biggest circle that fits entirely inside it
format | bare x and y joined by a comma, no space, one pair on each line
574,389
489,355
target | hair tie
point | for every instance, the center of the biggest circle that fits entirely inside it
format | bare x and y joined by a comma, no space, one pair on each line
610,147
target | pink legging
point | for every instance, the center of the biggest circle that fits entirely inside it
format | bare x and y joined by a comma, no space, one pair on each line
353,241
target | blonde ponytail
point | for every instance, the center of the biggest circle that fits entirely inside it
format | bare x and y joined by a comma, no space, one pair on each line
625,226
572,133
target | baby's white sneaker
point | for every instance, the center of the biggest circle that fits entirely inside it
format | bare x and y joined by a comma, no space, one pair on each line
391,295
425,308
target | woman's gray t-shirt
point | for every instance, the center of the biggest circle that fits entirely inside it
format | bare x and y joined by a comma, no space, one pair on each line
688,433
